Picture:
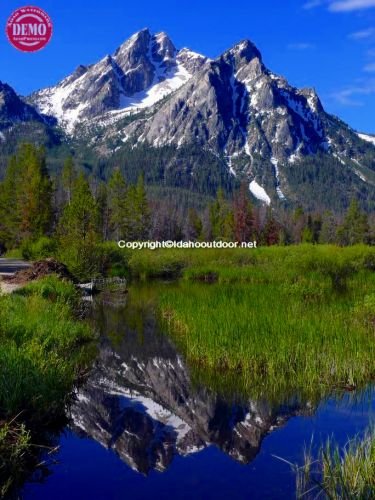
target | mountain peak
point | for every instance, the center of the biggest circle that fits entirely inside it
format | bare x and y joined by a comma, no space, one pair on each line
14,109
163,48
137,42
245,50
140,34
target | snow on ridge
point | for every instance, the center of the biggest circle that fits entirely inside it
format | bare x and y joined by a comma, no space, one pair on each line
275,163
360,175
259,192
339,158
230,163
51,101
191,54
166,80
299,109
367,138
159,89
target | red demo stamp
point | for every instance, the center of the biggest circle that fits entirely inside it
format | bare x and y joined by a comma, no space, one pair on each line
29,29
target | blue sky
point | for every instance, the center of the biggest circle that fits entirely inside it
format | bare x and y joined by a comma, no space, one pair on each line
326,44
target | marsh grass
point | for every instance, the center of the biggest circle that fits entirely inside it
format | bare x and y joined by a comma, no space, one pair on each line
42,353
293,320
250,265
15,443
338,473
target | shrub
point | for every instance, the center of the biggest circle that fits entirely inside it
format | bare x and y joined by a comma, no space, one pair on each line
40,249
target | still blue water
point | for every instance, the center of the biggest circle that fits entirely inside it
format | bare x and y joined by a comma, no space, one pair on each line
141,430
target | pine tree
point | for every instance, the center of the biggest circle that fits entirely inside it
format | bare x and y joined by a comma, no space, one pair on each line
316,227
103,210
140,207
9,210
307,231
271,230
34,193
69,175
221,218
328,229
26,197
299,222
194,225
78,232
355,227
119,206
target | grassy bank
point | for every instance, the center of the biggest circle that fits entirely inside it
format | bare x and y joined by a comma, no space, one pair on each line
275,320
41,357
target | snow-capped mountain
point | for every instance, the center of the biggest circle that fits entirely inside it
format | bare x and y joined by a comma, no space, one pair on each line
150,93
141,72
235,104
224,120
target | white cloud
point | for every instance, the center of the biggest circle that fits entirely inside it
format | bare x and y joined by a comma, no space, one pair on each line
340,5
369,68
301,46
350,5
363,34
312,4
350,96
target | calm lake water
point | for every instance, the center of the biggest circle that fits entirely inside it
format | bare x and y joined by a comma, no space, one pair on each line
140,427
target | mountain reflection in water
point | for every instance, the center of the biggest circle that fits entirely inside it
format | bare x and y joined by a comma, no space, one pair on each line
140,402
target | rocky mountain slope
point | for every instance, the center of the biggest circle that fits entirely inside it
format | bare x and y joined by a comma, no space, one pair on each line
250,123
13,109
140,73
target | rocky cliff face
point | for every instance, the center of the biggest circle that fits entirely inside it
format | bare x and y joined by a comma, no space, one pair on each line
236,105
14,110
141,72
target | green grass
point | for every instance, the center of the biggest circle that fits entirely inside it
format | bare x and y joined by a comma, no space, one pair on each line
339,474
250,265
278,322
15,444
42,354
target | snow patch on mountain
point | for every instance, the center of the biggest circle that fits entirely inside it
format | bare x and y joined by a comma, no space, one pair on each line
275,163
367,138
259,192
230,165
162,86
360,175
52,100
